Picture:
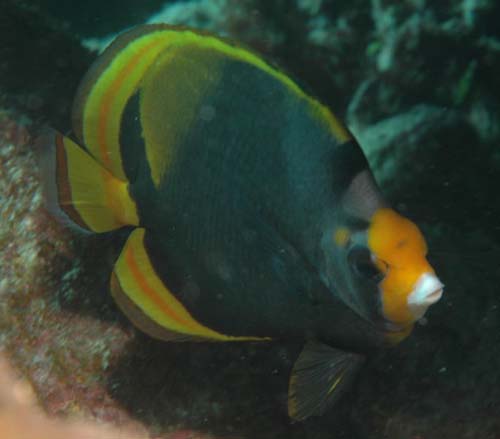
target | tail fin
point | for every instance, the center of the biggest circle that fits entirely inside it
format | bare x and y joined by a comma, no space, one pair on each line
79,191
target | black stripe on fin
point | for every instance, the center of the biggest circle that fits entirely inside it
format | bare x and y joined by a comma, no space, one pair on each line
132,146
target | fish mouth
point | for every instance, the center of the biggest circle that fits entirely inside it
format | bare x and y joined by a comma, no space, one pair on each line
434,296
428,290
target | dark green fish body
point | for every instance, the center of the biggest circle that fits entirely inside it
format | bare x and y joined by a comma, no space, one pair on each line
255,214
253,250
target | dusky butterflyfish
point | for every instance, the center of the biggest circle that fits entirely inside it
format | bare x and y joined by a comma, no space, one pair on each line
252,209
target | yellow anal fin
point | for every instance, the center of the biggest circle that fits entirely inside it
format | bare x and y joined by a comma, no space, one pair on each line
149,304
320,375
79,189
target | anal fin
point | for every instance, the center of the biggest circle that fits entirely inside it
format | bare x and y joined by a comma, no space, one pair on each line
140,319
145,299
319,377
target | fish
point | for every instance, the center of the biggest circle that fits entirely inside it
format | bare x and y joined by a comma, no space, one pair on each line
251,210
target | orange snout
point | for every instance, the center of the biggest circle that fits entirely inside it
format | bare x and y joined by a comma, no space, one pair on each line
410,284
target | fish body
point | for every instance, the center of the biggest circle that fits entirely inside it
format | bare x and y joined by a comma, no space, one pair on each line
253,211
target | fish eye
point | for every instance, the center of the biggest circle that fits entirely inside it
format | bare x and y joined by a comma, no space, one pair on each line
361,263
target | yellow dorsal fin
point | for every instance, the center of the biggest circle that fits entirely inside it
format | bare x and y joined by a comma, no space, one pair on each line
117,75
105,90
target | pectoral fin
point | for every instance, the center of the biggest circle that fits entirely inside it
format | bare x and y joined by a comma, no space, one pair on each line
320,375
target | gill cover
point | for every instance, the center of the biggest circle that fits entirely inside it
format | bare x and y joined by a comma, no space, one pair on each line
348,267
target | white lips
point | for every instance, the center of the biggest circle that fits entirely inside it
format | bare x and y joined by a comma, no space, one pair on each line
428,290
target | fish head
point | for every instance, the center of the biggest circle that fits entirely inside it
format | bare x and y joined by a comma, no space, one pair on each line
376,263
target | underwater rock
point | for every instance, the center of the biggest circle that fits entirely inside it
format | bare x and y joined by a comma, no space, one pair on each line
60,352
20,418
398,142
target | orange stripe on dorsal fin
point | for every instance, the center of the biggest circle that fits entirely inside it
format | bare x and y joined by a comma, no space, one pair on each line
105,90
149,303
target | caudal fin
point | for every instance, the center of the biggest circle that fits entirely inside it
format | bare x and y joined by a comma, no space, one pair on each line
79,191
